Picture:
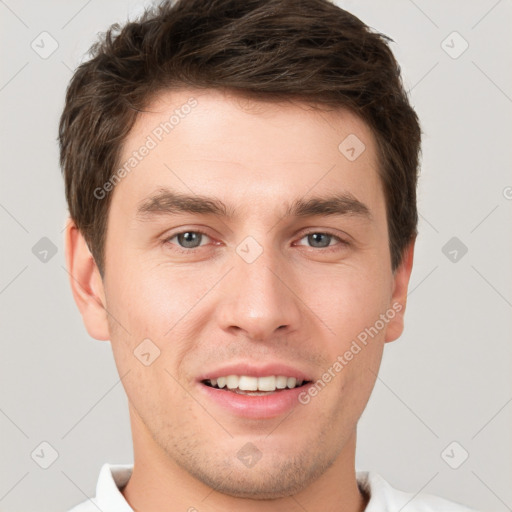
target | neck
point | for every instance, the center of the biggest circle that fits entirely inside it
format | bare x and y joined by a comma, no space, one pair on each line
157,483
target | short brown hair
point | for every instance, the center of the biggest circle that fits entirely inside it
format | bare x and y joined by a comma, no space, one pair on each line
307,50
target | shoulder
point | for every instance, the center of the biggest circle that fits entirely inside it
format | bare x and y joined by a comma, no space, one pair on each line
385,498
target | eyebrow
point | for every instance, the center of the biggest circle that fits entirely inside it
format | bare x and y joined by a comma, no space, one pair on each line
168,202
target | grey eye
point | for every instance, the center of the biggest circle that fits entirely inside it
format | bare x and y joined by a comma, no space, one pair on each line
189,239
319,239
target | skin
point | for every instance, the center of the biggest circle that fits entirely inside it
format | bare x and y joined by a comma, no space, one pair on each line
297,303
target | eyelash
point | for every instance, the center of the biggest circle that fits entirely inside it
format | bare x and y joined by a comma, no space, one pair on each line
328,249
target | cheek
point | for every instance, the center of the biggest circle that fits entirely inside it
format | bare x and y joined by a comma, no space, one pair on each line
151,300
349,300
162,304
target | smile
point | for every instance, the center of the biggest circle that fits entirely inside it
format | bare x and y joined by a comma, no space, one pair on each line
246,384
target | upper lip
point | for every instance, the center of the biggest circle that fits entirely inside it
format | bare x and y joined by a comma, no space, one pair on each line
255,370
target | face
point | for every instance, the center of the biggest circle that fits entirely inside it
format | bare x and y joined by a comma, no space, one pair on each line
246,243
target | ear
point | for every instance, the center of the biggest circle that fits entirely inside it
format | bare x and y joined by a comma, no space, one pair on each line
86,283
399,297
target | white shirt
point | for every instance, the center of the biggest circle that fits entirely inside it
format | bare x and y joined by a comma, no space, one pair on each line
383,497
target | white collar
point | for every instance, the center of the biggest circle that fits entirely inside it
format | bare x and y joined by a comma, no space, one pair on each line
113,477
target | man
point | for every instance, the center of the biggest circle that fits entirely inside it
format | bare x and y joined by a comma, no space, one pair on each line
241,183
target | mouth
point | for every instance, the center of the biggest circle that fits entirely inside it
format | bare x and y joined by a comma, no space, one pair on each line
254,391
255,386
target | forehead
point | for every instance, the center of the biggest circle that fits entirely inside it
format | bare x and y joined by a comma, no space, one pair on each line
245,151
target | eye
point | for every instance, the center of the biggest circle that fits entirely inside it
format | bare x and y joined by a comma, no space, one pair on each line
187,239
321,240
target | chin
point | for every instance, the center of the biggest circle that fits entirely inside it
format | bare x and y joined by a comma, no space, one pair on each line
277,477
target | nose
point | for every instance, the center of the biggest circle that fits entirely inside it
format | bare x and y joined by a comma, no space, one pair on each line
259,300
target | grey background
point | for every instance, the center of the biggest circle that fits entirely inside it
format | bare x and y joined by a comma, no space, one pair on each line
447,379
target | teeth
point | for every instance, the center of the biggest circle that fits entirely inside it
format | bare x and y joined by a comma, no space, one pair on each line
291,382
232,381
267,383
247,383
281,382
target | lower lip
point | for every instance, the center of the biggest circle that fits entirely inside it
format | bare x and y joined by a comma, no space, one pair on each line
255,406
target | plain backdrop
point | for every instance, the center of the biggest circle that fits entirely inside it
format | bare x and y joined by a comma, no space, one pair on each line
444,392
